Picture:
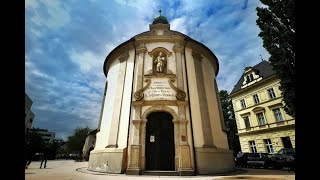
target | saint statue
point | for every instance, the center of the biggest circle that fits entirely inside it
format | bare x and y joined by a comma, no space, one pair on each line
160,63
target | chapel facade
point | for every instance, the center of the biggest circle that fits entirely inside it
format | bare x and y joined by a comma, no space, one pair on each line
161,108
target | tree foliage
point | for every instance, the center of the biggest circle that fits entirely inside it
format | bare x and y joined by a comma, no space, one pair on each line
277,24
33,141
230,122
76,141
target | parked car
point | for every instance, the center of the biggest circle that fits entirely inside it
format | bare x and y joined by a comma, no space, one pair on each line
284,158
259,160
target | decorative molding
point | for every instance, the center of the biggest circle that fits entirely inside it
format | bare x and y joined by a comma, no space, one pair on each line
276,105
180,121
112,146
159,26
180,95
142,48
158,49
138,121
245,114
157,102
197,56
138,95
160,75
124,57
177,48
256,109
159,108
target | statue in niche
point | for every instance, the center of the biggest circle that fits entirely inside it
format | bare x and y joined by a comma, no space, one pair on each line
160,62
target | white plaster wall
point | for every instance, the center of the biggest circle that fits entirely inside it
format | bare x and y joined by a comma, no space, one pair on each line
189,132
219,139
148,62
126,102
194,99
103,135
172,63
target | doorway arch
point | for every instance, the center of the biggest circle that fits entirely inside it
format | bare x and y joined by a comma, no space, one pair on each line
159,142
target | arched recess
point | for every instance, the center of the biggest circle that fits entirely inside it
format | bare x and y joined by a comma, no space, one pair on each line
156,50
160,57
159,109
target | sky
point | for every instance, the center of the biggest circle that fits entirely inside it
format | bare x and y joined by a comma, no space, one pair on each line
66,43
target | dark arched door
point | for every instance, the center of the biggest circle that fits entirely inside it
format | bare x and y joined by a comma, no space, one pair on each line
160,142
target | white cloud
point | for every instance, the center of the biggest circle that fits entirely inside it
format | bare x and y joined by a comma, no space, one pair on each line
31,4
179,24
57,15
87,61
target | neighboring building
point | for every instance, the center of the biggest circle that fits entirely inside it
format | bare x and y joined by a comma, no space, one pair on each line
263,125
161,109
89,144
45,134
28,114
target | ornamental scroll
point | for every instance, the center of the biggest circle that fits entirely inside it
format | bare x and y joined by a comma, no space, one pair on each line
160,89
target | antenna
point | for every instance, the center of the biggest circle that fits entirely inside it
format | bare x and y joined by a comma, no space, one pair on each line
261,58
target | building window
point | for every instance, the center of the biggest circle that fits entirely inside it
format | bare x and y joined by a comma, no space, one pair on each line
256,98
251,77
268,144
286,142
261,119
243,103
246,121
277,114
31,120
253,147
271,93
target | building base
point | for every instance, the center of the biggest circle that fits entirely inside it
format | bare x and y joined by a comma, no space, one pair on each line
109,160
186,172
212,160
133,171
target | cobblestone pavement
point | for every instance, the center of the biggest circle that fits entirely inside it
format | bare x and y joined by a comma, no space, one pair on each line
71,170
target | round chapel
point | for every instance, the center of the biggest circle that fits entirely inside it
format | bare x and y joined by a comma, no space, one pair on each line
161,109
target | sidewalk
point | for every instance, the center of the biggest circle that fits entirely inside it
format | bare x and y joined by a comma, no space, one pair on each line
71,170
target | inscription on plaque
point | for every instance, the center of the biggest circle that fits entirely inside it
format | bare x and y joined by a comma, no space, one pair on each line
159,89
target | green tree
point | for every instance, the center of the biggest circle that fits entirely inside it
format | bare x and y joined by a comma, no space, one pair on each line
53,148
277,24
76,141
34,141
230,122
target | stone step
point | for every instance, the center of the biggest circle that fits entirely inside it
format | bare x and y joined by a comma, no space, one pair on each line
161,173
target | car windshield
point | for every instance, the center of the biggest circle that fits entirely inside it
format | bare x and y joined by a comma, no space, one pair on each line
290,152
286,151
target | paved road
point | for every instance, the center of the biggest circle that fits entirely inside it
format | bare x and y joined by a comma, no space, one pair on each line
67,170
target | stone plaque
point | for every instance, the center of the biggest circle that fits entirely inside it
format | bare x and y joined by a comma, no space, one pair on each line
159,89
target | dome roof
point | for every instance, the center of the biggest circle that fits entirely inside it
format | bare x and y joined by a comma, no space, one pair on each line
160,19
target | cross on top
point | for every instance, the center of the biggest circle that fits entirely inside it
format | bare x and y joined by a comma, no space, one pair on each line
160,11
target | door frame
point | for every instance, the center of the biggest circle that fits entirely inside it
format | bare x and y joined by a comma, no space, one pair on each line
171,147
175,122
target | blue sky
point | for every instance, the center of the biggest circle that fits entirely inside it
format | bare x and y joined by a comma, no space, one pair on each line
66,43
